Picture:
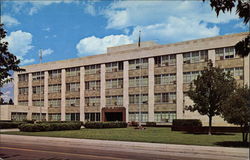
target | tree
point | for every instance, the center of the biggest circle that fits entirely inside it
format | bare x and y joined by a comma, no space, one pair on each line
242,48
11,102
236,110
8,61
209,91
1,101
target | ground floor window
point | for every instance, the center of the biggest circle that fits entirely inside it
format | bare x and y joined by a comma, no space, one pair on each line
72,116
165,116
18,116
54,116
92,116
36,116
134,116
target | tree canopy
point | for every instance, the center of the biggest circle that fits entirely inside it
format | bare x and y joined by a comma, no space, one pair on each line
209,91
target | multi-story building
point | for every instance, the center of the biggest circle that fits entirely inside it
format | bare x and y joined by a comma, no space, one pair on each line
151,80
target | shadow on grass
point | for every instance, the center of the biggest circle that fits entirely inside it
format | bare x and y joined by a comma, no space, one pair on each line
204,133
233,144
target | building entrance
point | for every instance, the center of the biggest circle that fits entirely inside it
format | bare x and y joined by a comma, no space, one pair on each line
113,116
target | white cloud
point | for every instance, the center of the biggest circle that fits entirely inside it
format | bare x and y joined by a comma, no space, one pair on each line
9,21
90,9
240,25
95,45
47,29
47,52
20,43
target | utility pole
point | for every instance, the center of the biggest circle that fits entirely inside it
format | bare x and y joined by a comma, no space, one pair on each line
40,57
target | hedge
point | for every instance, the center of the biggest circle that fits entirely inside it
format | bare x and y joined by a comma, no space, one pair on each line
38,127
7,125
151,124
187,122
105,125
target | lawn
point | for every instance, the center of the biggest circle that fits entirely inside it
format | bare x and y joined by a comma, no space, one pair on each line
151,134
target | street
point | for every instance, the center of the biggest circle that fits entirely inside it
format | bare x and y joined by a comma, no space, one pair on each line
48,148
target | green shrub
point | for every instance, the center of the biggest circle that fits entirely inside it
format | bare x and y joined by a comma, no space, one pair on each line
7,125
187,122
133,123
38,127
105,125
151,124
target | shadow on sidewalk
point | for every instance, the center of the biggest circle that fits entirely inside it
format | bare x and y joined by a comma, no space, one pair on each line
233,144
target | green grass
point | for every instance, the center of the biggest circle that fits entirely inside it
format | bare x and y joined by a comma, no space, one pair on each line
151,134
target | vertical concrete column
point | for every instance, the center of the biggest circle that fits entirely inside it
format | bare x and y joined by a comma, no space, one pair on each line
151,96
29,113
15,88
30,90
103,88
125,88
46,92
82,91
247,70
211,55
179,86
63,91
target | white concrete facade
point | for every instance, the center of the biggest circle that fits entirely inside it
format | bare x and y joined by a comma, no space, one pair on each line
148,50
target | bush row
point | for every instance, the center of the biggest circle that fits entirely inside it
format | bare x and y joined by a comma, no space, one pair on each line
187,122
38,127
7,125
105,125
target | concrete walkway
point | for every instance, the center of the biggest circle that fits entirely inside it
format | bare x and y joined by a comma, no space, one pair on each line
9,130
189,151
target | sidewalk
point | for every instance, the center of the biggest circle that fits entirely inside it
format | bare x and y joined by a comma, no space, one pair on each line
223,153
9,130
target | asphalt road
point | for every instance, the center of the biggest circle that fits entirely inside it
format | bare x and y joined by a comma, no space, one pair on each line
48,148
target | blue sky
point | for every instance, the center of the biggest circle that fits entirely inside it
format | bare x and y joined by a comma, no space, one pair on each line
70,29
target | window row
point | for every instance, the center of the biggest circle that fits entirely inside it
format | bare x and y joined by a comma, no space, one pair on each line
55,88
165,97
55,102
237,72
38,103
93,85
164,116
38,89
72,117
92,101
23,77
55,74
54,116
72,87
114,66
138,63
224,53
72,71
138,81
134,117
36,116
195,57
23,91
167,60
73,102
114,100
23,103
165,79
137,99
18,116
92,117
188,77
114,83
93,69
38,76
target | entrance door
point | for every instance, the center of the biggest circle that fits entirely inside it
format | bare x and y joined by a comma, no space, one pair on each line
113,116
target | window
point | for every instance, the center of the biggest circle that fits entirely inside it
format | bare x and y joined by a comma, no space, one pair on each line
92,101
93,85
55,102
195,57
23,91
165,97
72,102
36,116
188,77
138,63
165,79
167,60
55,88
114,100
93,69
38,90
23,103
134,116
224,53
55,74
72,87
164,116
92,116
38,103
137,99
72,117
237,72
72,71
18,116
37,76
114,83
138,81
23,77
114,67
54,116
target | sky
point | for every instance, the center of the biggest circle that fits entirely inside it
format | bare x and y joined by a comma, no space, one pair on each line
64,29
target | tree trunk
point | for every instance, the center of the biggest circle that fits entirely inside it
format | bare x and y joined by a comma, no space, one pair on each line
245,131
210,126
